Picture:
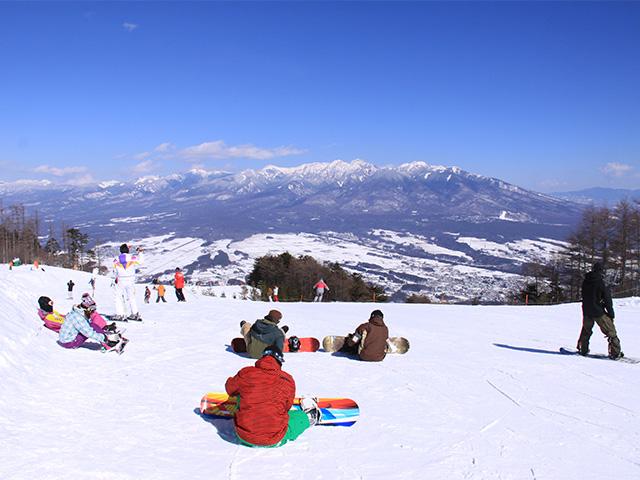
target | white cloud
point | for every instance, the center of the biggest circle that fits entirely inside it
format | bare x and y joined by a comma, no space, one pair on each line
130,26
58,172
82,180
145,167
163,147
616,170
141,156
219,150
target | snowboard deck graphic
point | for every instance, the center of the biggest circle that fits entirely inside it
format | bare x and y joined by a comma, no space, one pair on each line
334,343
335,411
307,344
601,356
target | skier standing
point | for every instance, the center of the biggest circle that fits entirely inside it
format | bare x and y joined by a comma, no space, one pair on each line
124,268
597,307
320,288
275,293
179,284
265,396
369,341
160,288
147,294
262,333
70,285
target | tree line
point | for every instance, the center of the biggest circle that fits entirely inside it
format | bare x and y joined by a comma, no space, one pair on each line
295,278
604,234
20,239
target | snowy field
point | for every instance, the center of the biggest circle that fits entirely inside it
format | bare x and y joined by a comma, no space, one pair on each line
482,394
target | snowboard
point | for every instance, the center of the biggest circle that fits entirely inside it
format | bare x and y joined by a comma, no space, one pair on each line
116,318
307,344
335,411
119,348
334,343
602,356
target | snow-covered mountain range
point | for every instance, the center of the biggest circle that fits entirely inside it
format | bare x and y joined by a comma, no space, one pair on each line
417,228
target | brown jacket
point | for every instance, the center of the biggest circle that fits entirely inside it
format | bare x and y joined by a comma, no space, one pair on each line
373,345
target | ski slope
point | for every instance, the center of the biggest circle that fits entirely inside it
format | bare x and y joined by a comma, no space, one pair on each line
482,394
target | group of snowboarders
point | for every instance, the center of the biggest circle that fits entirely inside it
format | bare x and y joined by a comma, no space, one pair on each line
82,323
264,416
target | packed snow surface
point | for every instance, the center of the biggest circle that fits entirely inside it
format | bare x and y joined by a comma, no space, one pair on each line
481,394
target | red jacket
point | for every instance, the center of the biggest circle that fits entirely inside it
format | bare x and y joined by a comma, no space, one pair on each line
265,396
179,283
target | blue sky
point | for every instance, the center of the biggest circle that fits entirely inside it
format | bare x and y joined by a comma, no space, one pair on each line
544,95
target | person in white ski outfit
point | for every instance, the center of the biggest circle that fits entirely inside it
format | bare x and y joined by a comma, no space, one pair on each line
124,269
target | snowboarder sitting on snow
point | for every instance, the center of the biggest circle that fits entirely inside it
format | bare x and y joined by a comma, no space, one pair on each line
597,307
52,320
265,396
369,341
262,333
79,326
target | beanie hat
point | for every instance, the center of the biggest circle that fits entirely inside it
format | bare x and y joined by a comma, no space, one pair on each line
275,352
275,315
597,267
46,304
376,313
87,302
124,248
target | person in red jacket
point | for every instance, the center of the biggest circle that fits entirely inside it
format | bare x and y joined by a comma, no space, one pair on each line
179,284
265,396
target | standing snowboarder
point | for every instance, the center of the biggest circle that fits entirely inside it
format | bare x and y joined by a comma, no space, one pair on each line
597,307
179,284
70,286
320,288
266,393
124,269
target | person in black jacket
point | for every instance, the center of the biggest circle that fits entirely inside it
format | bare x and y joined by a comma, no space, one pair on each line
262,333
597,307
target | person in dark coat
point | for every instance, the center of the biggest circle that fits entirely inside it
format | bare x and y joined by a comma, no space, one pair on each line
597,307
369,341
262,333
265,396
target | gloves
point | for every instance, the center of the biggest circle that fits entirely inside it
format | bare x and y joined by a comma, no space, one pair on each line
285,329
